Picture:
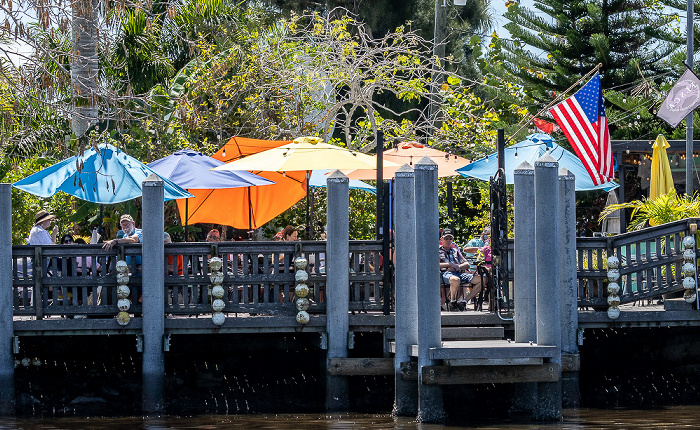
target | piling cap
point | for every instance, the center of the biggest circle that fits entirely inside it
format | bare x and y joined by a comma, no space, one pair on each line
426,163
546,160
524,168
405,170
566,175
337,176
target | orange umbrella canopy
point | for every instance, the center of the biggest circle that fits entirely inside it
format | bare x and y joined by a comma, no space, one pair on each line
409,153
250,207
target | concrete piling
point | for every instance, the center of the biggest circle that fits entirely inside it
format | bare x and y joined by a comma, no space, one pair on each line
7,362
430,400
406,392
549,402
568,287
337,286
524,288
153,287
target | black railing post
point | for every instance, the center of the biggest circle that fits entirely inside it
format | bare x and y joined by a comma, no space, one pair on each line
387,239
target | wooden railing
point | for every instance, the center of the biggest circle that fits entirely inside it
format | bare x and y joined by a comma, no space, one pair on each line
650,263
258,278
71,279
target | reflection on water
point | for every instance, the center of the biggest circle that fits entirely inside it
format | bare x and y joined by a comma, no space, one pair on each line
667,418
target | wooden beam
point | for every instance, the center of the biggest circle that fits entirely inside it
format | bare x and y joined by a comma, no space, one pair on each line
530,361
361,366
446,375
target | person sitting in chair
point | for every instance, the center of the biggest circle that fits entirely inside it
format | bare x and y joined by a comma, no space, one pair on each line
455,272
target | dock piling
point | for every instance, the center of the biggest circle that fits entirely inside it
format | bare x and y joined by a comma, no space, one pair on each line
549,401
7,362
406,392
524,288
337,290
568,290
430,400
153,286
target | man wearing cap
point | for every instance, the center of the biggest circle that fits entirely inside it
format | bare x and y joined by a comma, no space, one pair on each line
39,234
127,235
454,269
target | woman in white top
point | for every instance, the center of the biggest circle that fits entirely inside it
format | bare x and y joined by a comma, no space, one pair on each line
39,234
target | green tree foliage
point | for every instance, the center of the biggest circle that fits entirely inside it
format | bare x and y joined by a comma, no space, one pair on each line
562,40
25,206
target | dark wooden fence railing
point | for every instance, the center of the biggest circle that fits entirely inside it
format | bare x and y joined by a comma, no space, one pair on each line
76,280
259,276
650,263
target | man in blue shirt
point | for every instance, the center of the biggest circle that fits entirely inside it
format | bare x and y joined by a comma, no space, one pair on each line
128,234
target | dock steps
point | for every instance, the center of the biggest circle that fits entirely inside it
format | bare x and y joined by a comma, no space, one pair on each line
451,375
487,349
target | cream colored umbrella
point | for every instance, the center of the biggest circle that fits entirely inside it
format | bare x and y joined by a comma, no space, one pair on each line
409,153
305,153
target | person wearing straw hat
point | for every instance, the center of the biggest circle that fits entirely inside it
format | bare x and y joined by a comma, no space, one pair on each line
39,234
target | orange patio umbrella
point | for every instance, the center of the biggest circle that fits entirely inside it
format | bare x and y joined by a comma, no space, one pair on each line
249,207
409,153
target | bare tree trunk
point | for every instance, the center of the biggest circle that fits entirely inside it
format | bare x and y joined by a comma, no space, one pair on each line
84,72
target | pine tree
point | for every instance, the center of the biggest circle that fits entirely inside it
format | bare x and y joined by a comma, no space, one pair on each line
553,47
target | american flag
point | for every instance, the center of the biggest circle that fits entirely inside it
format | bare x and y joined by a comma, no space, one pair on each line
582,119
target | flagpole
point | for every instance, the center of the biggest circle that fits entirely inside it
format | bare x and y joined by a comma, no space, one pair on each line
689,162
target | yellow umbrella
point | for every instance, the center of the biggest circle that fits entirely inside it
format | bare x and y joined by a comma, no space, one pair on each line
305,153
661,179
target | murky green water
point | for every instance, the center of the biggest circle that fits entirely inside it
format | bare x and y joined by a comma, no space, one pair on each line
675,417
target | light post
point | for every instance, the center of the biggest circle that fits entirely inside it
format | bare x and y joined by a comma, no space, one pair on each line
439,41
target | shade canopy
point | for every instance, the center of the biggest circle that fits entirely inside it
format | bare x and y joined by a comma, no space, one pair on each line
103,175
246,207
192,170
661,179
531,149
318,179
306,153
409,153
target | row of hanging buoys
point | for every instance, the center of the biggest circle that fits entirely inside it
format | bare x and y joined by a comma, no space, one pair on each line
217,278
123,302
613,287
689,269
301,290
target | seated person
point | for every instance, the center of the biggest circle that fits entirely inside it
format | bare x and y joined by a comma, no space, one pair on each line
484,249
456,272
473,246
128,234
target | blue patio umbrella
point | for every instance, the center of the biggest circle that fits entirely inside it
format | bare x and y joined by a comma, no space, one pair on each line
192,170
530,149
318,179
104,175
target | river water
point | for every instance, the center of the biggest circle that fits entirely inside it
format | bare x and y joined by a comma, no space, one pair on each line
674,417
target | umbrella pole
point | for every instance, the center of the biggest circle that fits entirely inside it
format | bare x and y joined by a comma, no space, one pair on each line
380,182
187,216
309,203
250,212
450,205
